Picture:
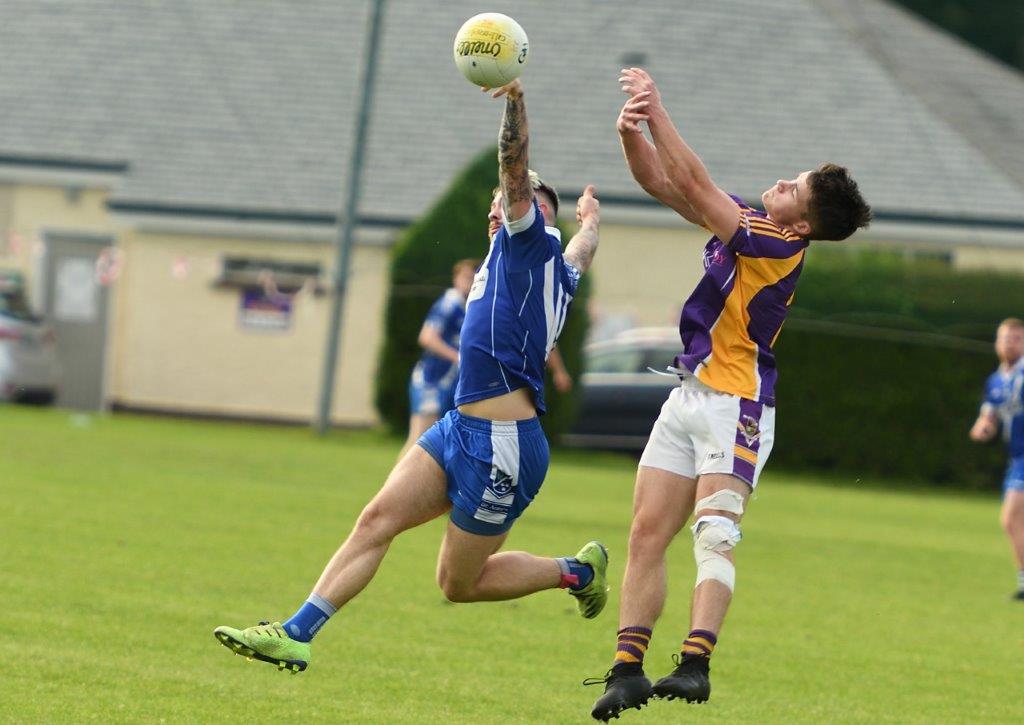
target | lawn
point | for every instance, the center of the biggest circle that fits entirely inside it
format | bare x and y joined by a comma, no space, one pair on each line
126,540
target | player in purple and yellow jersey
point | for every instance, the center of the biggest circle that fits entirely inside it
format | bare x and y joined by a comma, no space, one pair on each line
1003,407
715,431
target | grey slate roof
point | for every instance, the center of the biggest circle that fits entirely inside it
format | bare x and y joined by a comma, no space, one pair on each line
248,104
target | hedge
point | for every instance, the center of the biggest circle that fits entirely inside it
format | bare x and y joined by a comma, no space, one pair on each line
882,365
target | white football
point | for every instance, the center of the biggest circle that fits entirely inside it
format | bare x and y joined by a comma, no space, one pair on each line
491,49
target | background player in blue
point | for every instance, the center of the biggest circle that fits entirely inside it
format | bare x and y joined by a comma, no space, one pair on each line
485,461
432,382
1004,407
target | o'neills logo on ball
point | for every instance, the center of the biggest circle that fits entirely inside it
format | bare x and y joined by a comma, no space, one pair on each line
478,47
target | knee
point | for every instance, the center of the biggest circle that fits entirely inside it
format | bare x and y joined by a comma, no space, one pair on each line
714,538
648,539
375,524
454,590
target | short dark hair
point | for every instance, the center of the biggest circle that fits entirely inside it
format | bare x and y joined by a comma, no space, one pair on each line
538,185
836,209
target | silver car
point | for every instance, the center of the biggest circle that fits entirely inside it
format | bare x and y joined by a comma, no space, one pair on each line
28,356
620,397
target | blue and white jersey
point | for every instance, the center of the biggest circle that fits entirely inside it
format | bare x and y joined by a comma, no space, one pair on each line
445,316
515,311
1004,396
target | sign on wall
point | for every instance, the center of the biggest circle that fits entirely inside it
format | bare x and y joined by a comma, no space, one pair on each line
75,298
265,312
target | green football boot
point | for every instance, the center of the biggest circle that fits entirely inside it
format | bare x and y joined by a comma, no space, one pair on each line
266,642
590,600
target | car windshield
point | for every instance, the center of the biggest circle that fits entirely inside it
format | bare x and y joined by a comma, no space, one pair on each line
14,305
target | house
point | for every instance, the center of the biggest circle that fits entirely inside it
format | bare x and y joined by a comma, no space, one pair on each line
192,154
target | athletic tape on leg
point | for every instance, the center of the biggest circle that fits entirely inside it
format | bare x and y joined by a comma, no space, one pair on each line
724,500
712,536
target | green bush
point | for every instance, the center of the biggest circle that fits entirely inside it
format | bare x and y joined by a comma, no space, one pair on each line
421,262
894,385
882,408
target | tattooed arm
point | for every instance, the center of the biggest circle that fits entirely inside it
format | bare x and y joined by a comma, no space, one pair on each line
513,164
580,250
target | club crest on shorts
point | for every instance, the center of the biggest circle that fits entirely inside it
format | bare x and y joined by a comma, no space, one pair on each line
501,482
750,428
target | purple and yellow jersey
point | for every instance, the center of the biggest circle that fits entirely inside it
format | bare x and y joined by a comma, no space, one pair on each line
731,321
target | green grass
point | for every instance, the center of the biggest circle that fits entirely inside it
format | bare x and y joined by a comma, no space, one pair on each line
124,541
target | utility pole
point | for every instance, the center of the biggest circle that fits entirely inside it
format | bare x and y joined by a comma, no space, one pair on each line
348,219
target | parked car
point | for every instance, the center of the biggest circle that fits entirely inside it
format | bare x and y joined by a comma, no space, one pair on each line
620,396
28,354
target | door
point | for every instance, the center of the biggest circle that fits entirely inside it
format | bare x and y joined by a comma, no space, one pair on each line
76,306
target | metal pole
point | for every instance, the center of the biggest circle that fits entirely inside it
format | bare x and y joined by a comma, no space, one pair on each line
347,220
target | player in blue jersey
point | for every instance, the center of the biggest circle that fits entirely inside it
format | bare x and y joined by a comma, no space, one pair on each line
485,461
433,379
1004,408
432,383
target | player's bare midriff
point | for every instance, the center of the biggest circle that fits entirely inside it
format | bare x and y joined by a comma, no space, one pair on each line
517,405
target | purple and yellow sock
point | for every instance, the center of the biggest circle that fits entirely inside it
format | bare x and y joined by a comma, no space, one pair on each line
632,646
700,642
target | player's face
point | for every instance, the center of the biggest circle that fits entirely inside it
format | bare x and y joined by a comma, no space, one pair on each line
1009,344
786,203
496,217
463,280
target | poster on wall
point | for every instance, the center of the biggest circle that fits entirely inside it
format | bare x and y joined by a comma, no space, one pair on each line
265,312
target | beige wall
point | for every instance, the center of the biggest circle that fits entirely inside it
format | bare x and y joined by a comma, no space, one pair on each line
645,274
177,344
180,344
29,210
988,258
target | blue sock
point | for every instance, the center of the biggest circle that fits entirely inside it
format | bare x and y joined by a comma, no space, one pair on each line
575,575
311,616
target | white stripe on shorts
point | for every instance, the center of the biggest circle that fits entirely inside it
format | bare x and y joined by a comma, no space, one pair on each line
498,497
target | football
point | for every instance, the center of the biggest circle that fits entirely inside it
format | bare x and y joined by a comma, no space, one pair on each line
491,49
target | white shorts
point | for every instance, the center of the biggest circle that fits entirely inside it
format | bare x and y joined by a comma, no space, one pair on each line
701,430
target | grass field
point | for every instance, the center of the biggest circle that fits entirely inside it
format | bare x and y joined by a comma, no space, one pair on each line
126,540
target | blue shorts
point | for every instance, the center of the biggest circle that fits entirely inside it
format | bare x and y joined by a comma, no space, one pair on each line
1014,480
494,468
428,399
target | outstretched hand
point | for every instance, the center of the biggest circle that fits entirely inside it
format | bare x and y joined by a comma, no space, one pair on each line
634,81
588,208
633,112
512,90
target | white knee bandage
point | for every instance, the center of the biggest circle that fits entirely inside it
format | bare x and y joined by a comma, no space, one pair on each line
724,500
712,536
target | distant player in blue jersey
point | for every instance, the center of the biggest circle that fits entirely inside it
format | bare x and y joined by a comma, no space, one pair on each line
484,462
1003,407
432,383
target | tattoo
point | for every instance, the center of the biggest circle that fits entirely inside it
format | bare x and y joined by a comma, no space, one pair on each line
580,250
513,168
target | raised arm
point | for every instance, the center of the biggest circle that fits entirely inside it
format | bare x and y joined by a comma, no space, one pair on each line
642,160
684,169
513,161
580,250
